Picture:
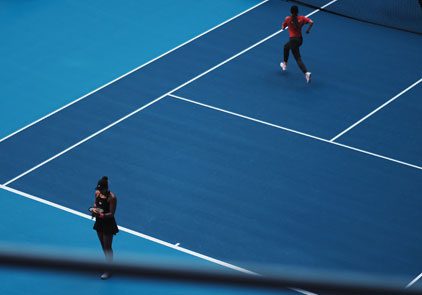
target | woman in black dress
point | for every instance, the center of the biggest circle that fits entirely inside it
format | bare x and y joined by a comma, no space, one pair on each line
105,224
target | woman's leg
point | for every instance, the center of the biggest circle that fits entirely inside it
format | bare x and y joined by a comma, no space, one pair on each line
100,237
296,53
108,250
286,51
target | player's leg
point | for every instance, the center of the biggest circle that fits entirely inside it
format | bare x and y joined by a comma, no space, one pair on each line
108,251
286,50
296,53
100,237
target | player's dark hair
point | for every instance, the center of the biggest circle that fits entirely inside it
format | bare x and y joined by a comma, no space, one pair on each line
102,184
295,11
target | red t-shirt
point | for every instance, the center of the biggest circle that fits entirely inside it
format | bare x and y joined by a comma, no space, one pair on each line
293,31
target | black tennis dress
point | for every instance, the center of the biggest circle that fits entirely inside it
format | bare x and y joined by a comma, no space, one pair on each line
107,225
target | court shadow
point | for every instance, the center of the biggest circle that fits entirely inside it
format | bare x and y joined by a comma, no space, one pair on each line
294,80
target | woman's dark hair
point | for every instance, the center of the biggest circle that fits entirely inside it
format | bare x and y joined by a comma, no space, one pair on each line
295,11
102,184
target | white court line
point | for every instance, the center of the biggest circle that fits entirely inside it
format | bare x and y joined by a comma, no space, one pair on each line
130,72
136,111
414,280
294,131
83,140
141,235
152,102
315,11
144,236
376,110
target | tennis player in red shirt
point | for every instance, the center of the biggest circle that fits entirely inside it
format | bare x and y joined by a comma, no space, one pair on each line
295,23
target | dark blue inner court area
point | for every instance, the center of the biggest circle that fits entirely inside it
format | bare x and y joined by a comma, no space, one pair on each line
390,132
263,184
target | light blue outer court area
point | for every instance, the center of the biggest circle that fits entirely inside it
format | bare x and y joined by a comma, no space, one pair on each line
56,51
27,224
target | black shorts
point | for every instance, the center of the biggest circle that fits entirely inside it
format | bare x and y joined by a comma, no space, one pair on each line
107,226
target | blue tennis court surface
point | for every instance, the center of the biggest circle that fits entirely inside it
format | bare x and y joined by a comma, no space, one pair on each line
57,229
211,146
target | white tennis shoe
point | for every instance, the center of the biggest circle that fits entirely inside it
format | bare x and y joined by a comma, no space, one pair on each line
283,66
308,77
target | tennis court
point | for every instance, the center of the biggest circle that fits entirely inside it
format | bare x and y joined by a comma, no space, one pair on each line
212,148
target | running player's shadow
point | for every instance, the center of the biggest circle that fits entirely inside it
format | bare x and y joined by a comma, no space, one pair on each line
295,79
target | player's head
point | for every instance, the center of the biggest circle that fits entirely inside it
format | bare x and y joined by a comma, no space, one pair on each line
102,185
294,10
